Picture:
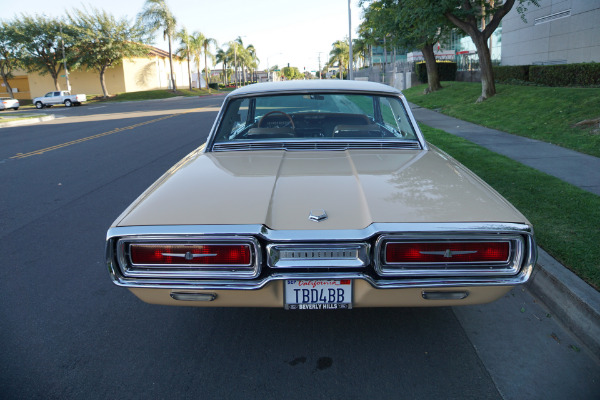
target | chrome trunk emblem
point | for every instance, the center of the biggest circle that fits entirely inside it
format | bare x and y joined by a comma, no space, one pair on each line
317,215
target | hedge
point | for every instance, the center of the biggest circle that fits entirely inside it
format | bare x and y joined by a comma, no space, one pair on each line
214,85
583,74
446,70
511,72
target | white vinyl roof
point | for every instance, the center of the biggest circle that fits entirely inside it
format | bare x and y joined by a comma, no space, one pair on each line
314,85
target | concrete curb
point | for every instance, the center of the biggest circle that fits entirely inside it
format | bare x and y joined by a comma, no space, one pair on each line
575,303
27,121
571,301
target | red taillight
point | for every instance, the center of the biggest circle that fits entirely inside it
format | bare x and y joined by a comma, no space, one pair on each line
446,252
191,254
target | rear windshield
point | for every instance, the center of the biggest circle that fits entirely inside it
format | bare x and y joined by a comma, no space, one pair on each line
315,116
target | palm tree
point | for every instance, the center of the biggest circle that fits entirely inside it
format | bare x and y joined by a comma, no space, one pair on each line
360,47
200,44
196,47
340,54
234,53
157,15
184,49
205,44
243,56
254,60
221,57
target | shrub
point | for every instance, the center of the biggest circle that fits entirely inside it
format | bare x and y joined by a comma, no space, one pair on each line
213,85
511,73
446,70
584,74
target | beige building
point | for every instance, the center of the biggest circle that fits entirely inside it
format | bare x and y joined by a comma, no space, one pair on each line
132,75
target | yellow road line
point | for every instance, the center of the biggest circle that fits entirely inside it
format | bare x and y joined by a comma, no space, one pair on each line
60,146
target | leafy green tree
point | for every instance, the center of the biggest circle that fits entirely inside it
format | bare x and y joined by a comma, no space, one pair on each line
102,41
367,35
155,16
360,49
184,50
479,19
10,54
291,73
40,42
411,24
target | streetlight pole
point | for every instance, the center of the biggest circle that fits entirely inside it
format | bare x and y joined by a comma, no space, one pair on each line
64,59
350,69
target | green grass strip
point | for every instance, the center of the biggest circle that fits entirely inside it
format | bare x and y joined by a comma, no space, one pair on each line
153,95
543,113
566,219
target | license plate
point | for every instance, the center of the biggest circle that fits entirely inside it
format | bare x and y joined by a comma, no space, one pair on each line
318,294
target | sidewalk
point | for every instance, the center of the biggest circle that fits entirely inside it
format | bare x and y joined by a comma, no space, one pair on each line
578,169
26,121
571,300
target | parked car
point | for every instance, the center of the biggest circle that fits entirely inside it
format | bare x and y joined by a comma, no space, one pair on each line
59,97
319,195
7,102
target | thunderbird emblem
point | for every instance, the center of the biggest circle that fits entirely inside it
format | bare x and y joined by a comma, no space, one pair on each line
317,215
448,253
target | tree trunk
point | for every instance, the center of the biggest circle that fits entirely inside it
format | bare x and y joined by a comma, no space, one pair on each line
174,88
433,76
189,70
206,68
470,27
488,86
384,57
199,76
56,84
103,82
8,88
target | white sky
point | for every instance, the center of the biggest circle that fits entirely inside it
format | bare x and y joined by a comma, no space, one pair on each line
282,31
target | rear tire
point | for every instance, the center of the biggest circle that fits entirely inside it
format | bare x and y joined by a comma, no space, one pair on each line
68,103
39,105
15,108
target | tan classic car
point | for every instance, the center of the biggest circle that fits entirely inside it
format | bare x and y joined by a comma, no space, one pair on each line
319,195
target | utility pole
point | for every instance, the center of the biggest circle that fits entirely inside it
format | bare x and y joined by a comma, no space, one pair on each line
320,64
350,72
64,59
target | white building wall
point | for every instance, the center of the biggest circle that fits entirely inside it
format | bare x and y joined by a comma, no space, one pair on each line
557,32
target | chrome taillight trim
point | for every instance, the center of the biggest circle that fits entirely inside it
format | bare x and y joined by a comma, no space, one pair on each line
196,271
510,267
360,259
328,236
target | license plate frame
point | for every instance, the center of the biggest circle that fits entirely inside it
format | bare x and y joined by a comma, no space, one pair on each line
318,294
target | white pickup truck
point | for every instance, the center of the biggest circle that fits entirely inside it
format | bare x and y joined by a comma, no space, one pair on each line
59,97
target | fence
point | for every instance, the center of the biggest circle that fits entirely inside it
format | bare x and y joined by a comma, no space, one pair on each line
399,74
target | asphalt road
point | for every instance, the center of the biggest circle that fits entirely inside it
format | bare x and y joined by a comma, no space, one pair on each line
66,332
